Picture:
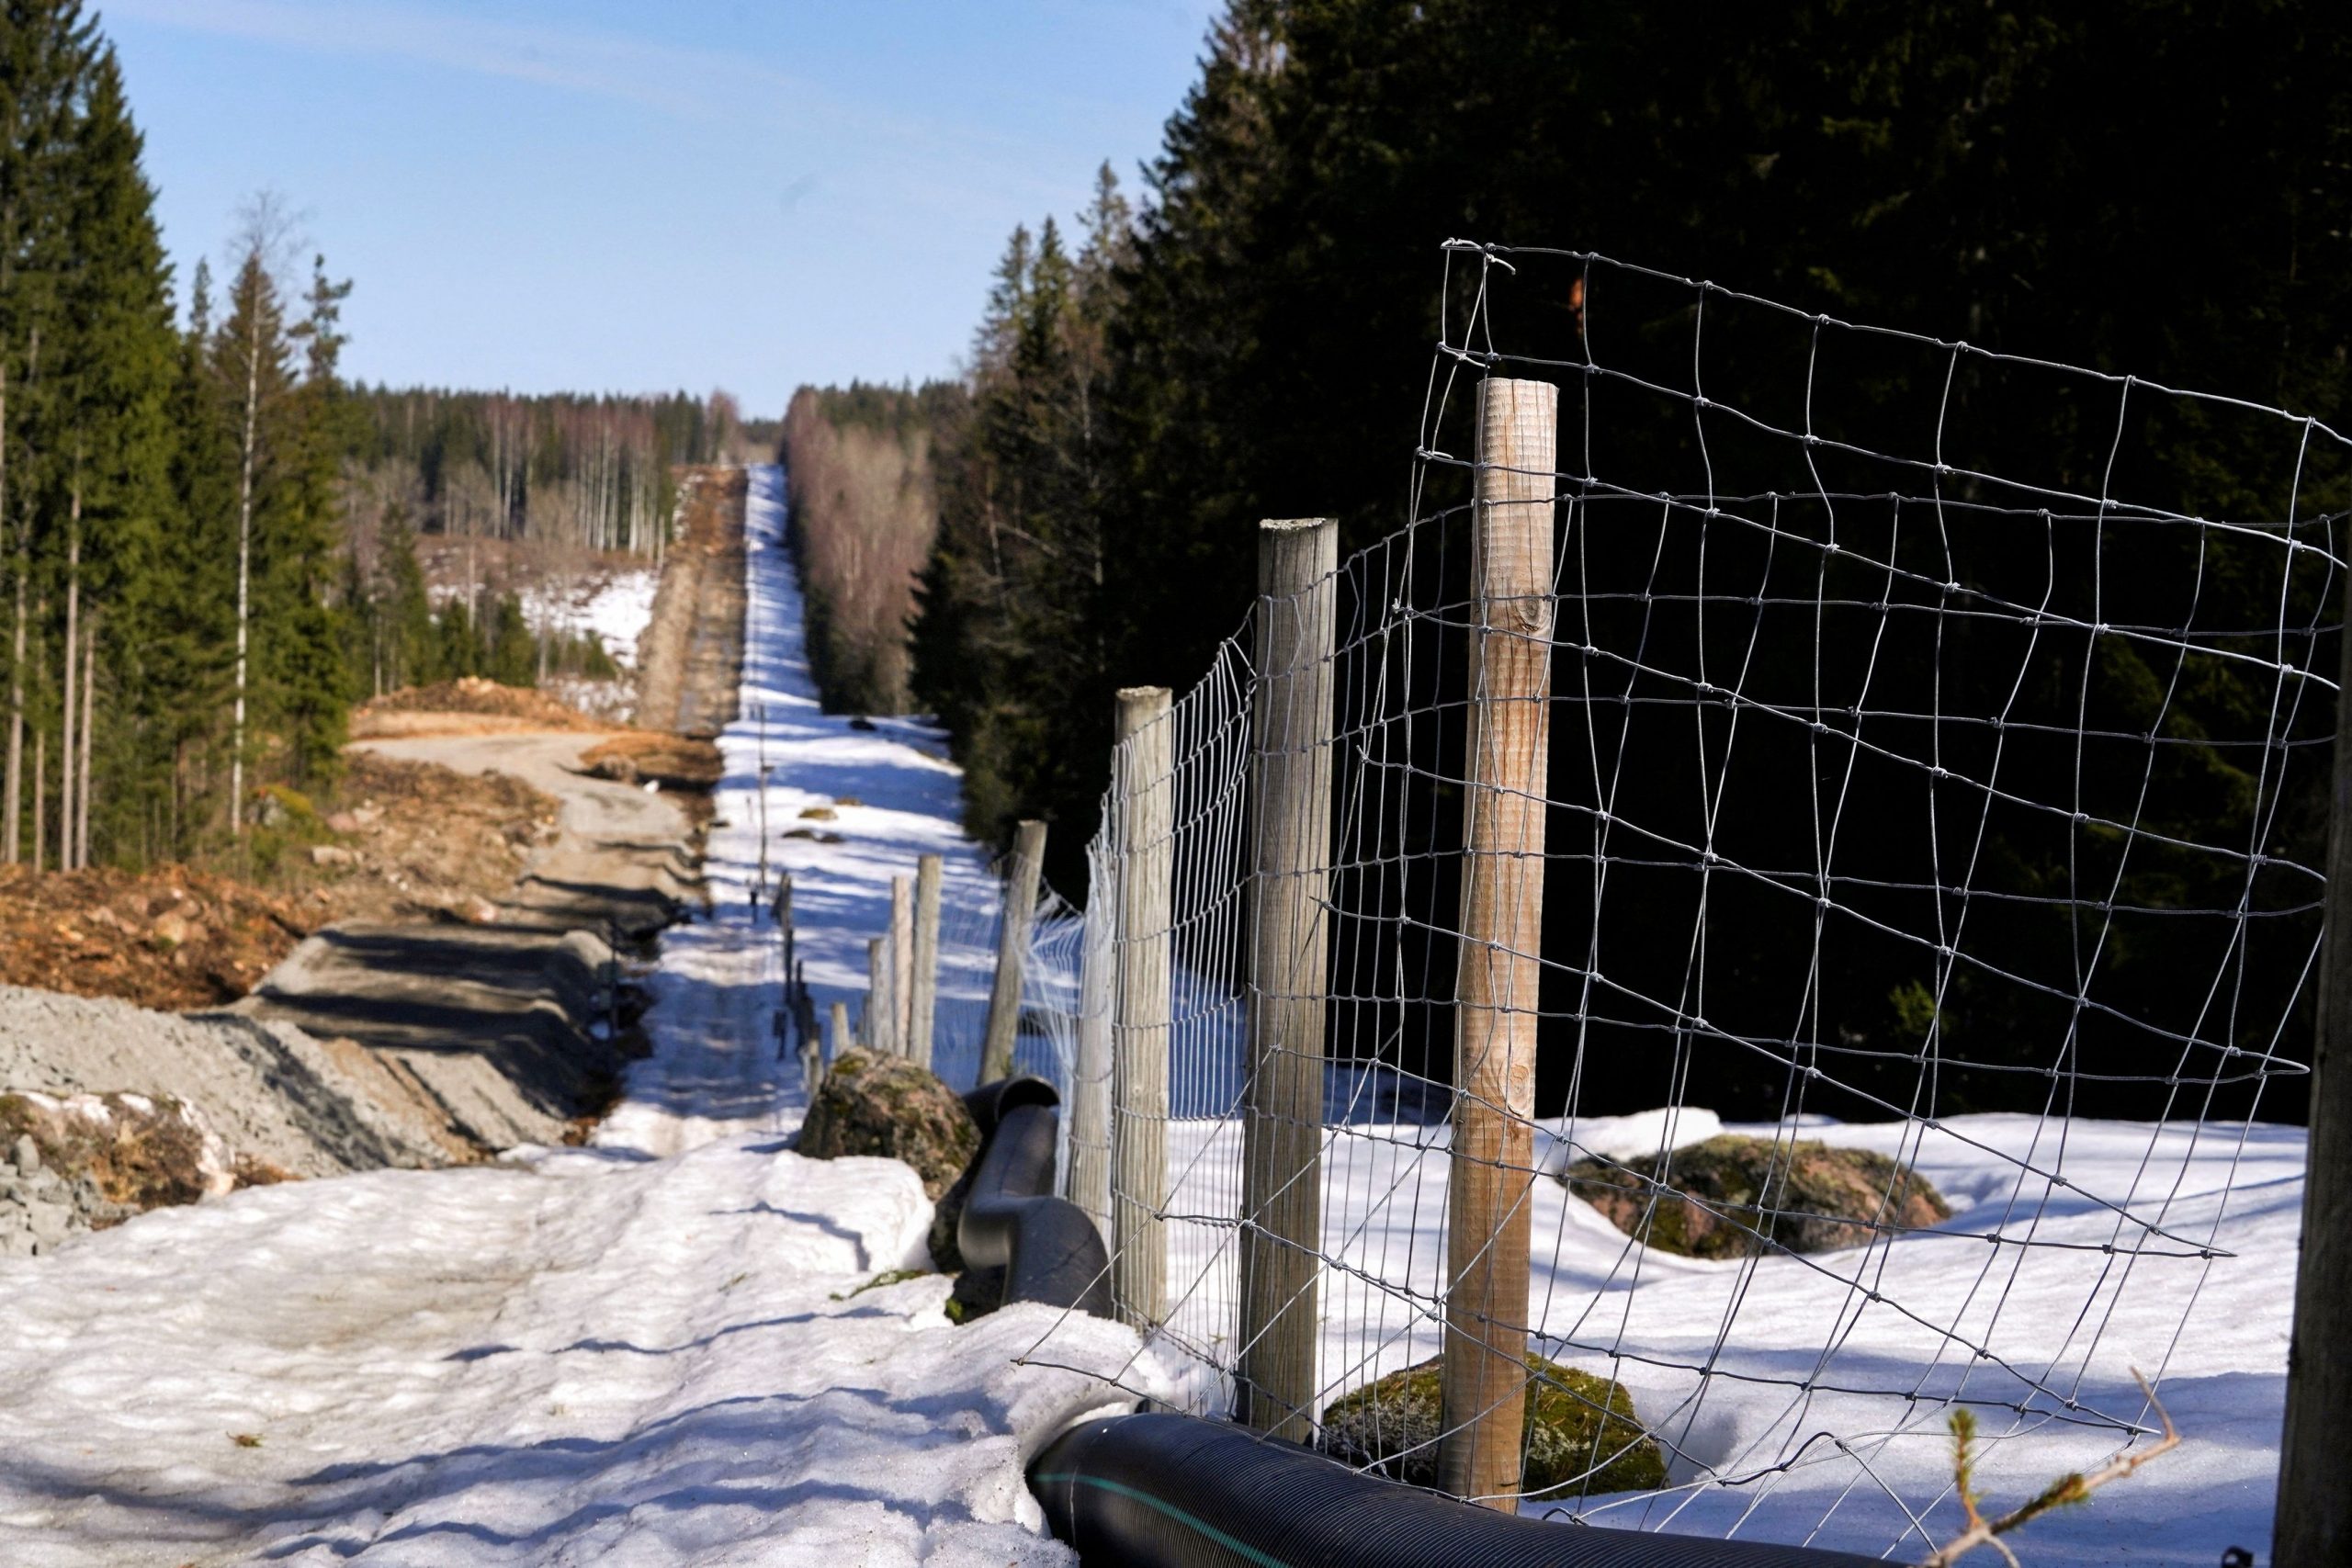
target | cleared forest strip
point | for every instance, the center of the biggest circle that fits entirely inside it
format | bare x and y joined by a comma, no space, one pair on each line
691,654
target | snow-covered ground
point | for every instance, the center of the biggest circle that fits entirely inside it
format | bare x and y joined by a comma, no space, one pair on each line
614,605
660,1349
1808,1398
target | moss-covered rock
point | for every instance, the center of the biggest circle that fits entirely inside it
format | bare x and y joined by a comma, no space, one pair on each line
1582,1434
1732,1195
887,1106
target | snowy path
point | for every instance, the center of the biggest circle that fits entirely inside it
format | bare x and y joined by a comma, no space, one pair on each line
652,1351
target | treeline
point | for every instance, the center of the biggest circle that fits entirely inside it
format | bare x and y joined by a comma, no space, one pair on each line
188,613
584,473
169,495
2154,186
861,507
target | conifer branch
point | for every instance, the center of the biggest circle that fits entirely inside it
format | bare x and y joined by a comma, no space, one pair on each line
2064,1492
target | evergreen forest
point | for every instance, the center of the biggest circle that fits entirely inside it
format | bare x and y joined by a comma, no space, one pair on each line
210,539
2155,187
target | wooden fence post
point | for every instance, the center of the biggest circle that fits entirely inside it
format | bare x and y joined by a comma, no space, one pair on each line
1144,775
1091,1074
922,998
1013,951
1281,1139
2313,1523
1484,1382
840,1021
902,964
881,1009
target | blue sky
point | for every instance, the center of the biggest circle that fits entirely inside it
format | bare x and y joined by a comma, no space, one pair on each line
629,195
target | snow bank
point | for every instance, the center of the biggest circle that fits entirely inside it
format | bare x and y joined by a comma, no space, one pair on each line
1808,1398
668,1349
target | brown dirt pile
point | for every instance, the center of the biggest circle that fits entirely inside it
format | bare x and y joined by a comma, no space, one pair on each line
412,841
171,938
467,705
675,761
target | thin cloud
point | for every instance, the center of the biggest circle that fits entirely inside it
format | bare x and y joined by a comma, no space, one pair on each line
686,83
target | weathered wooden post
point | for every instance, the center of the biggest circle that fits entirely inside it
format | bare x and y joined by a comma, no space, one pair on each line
922,1004
840,1021
1013,951
902,964
783,920
1282,1140
1484,1382
2313,1523
881,1008
1090,1073
1143,774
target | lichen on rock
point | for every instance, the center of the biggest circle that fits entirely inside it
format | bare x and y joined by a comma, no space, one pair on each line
1582,1436
890,1107
1732,1195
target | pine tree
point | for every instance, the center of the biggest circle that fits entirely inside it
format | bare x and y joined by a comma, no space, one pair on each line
117,369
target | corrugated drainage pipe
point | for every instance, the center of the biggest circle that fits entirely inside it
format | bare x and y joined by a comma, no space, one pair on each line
1049,1250
1163,1491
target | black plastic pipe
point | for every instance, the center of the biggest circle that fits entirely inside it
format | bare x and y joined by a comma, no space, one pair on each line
1049,1250
1164,1491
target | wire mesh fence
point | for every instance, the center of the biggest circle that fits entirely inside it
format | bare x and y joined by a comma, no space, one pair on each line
1809,839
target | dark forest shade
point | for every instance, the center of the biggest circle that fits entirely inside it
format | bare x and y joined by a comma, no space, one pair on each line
2149,188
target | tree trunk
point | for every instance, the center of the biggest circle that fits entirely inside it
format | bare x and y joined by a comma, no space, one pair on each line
40,800
244,572
11,847
66,794
89,714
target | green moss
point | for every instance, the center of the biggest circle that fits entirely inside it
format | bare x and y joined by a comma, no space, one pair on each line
1582,1434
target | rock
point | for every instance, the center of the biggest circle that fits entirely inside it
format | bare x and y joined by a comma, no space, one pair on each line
26,1154
478,911
817,814
343,821
889,1106
368,814
1582,1434
331,854
1717,1197
173,929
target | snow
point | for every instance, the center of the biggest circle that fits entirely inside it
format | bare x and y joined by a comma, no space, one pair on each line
671,1347
666,1348
615,605
1889,1334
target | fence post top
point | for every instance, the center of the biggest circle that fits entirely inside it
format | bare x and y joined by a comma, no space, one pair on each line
1294,524
1520,387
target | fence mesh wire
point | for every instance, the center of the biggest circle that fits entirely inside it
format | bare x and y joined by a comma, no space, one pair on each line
1936,797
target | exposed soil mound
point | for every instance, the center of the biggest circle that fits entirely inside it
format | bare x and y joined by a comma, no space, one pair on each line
415,841
672,761
1582,1434
1732,1195
414,710
170,938
889,1106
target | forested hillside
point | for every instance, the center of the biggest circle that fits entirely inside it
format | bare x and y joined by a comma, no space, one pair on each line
1254,341
590,473
861,505
212,541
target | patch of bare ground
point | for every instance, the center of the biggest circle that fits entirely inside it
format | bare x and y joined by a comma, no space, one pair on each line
669,762
469,705
414,841
690,655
